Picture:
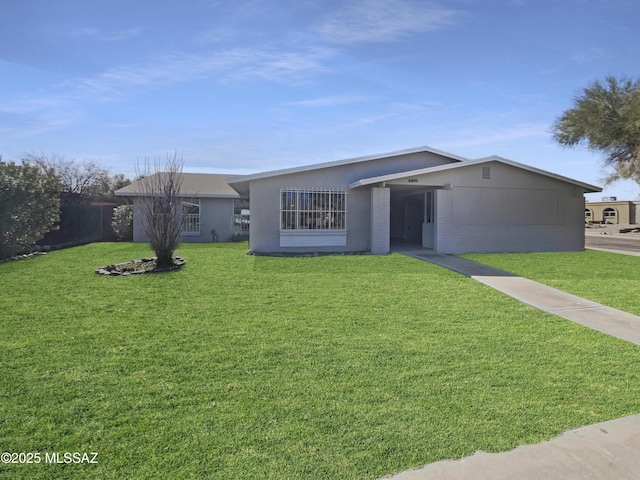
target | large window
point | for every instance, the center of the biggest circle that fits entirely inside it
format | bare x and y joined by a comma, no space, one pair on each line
313,209
191,215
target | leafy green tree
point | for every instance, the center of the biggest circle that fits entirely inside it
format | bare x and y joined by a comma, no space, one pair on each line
606,119
29,206
113,183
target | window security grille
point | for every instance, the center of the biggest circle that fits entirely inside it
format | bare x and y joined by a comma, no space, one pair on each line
313,209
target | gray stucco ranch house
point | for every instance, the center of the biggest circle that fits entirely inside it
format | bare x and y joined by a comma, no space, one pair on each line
420,196
213,211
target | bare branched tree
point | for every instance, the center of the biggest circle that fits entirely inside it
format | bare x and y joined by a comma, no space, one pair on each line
78,180
161,206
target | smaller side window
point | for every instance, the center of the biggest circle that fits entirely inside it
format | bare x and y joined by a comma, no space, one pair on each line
191,215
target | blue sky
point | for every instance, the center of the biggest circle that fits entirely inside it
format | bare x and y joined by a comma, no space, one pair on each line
251,85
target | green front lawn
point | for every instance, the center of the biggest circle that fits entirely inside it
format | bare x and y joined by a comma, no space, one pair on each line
254,367
611,279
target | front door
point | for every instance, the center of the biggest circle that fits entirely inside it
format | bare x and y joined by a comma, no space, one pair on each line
413,218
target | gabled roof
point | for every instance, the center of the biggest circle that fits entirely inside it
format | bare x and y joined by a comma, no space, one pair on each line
347,161
193,185
395,176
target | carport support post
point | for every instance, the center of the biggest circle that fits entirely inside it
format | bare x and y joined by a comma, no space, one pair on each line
380,220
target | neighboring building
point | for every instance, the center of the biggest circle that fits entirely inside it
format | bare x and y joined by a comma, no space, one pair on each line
212,209
431,198
610,211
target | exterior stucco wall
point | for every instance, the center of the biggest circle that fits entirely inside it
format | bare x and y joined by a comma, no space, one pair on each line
138,230
265,200
215,213
380,222
264,233
504,233
512,211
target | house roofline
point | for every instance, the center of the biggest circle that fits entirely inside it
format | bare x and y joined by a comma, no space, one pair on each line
338,163
182,195
193,185
494,158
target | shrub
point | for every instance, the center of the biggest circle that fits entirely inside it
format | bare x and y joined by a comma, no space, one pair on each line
29,206
122,222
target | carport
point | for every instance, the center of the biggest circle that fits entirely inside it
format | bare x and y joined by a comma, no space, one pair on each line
403,215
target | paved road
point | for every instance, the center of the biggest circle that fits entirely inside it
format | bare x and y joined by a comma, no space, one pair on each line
614,242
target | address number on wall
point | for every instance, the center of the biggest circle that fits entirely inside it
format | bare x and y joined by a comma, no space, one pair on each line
412,180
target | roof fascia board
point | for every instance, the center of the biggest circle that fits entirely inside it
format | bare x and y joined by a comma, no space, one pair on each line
337,163
586,186
412,173
387,178
183,195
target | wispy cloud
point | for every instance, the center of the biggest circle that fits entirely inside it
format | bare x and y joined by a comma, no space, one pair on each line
475,138
92,33
25,124
63,105
386,115
287,67
589,55
334,101
383,20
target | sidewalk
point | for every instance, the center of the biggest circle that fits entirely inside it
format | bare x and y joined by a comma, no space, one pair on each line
603,451
614,250
608,450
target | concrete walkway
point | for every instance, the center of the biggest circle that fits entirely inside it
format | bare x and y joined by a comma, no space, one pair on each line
617,323
609,450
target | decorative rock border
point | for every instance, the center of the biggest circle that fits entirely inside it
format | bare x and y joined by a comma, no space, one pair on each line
137,267
24,256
